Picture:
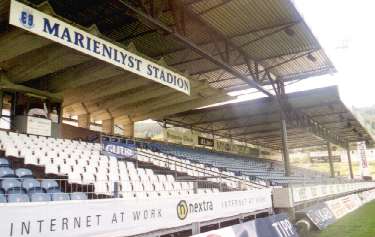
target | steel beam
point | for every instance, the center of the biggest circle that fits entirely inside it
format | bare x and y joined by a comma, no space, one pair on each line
349,161
267,69
330,161
196,48
285,149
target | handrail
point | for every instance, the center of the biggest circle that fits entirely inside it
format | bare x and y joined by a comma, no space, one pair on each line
202,170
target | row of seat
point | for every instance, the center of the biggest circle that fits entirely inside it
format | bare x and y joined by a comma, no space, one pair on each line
41,197
255,169
19,185
83,164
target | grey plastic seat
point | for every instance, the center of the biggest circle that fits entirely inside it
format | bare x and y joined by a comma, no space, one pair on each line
50,185
78,196
24,173
32,185
60,197
4,162
3,199
19,197
11,185
40,197
6,172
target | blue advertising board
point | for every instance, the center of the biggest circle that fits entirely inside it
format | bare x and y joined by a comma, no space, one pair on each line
271,226
320,215
118,147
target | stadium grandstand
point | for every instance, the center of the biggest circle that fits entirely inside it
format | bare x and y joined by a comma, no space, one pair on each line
114,63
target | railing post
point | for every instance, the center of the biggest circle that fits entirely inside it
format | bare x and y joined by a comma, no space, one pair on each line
220,183
195,228
195,187
116,189
175,169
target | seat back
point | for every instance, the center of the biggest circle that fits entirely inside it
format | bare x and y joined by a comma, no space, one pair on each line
40,197
23,173
19,197
78,196
48,184
31,185
60,196
6,172
11,184
4,162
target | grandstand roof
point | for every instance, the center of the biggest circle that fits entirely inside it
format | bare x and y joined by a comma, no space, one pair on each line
223,45
258,121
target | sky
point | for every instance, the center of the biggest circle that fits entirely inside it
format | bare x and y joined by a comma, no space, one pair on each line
346,31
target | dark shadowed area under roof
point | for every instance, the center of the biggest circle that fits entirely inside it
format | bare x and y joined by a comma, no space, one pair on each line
258,121
272,33
240,43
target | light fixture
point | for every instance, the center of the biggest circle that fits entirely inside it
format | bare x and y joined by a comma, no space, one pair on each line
311,57
289,32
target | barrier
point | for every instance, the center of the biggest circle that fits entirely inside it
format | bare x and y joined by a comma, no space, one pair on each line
272,226
292,196
119,217
328,212
321,215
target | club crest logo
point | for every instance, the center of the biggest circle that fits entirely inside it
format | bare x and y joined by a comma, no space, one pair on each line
27,19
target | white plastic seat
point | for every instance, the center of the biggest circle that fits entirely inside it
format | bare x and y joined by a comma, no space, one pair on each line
152,194
113,177
130,165
162,178
168,186
141,195
159,186
101,187
149,172
52,169
126,186
177,186
148,187
12,151
75,178
31,159
124,176
128,195
65,169
137,186
88,178
134,177
170,178
91,170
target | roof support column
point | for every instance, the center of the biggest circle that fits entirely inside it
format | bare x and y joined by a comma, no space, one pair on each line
280,97
331,168
84,121
285,149
349,161
129,129
108,126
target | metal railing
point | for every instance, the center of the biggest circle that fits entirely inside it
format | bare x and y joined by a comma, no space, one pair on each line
101,189
207,174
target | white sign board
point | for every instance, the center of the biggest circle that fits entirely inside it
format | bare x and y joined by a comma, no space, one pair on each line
361,146
59,31
38,126
121,217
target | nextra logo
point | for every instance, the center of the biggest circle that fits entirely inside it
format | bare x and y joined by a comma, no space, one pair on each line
184,208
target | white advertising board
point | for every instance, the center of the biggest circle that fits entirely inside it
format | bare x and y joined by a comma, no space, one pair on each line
120,217
38,126
49,27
